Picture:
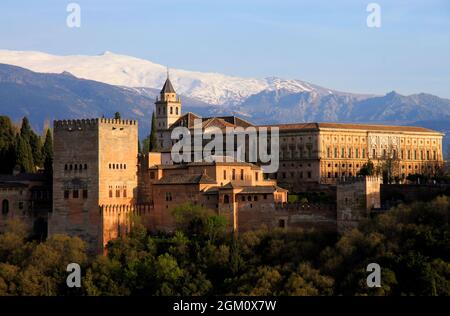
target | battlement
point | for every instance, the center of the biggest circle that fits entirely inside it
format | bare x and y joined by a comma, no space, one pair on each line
358,179
80,123
136,209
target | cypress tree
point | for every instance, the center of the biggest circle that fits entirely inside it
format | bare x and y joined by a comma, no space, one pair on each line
153,143
34,142
7,145
47,153
24,156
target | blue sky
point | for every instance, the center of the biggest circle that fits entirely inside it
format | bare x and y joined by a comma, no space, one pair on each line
324,42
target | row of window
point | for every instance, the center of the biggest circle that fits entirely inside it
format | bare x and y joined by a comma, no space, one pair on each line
226,198
118,193
79,167
171,110
75,194
350,153
117,166
357,153
293,175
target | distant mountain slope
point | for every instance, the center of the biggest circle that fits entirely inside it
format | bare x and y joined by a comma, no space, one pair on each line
48,96
44,97
121,70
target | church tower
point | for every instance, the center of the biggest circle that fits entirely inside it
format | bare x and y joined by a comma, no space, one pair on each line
168,110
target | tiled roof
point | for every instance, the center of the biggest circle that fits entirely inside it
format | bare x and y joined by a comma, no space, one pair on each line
354,126
168,88
260,189
22,177
377,127
12,185
186,179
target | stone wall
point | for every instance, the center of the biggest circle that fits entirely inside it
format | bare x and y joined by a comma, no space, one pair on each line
290,216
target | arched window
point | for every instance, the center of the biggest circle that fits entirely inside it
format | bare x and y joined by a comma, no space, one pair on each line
171,110
5,207
226,199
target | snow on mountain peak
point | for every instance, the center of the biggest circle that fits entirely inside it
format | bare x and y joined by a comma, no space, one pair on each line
122,70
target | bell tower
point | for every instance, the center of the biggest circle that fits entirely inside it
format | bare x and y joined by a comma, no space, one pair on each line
168,110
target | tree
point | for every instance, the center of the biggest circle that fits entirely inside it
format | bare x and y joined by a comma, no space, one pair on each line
117,115
47,153
33,141
7,146
153,142
24,155
367,169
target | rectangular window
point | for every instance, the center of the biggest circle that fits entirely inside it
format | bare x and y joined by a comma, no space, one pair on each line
85,194
152,175
75,194
349,153
356,153
309,174
224,174
335,153
125,193
110,193
256,176
242,174
328,152
233,174
66,194
117,193
364,153
343,153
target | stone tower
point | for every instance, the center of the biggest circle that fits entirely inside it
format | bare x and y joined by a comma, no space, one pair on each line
168,110
356,197
95,163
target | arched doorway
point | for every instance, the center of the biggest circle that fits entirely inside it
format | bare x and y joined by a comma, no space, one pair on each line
5,207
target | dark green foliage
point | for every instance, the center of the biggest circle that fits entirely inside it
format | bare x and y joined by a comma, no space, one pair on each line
24,155
367,169
411,243
7,146
117,115
47,153
153,143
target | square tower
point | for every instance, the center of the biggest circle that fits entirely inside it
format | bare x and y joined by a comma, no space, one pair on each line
168,110
95,163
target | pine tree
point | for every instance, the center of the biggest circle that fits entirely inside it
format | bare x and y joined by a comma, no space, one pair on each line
117,115
47,153
153,143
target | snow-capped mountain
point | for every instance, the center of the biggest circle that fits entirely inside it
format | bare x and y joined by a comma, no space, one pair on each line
121,70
